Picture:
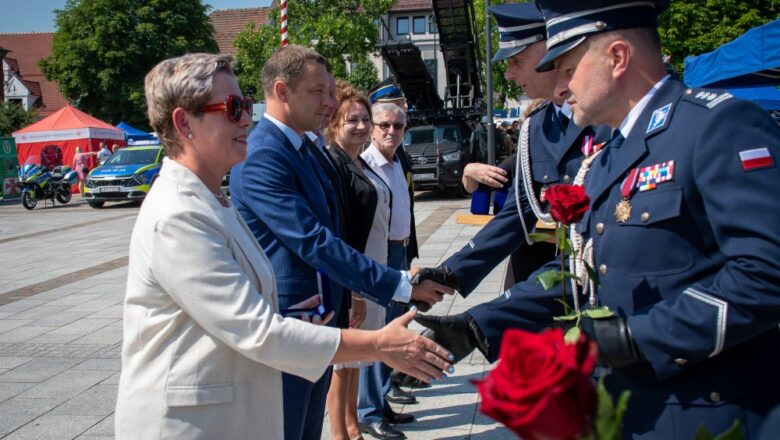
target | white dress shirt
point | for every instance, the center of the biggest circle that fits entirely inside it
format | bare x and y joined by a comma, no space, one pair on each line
393,175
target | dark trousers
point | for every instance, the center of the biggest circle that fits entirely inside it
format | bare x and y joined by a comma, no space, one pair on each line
304,406
374,381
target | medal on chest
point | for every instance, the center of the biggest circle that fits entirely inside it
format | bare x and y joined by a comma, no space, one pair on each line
623,207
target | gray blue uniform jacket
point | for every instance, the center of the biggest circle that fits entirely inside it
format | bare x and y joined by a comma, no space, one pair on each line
556,156
695,270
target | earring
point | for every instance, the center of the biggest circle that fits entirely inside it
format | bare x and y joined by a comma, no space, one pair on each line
190,136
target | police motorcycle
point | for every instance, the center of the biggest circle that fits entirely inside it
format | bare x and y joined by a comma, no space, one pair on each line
39,183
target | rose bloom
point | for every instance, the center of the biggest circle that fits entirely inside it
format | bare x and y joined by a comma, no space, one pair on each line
568,203
542,388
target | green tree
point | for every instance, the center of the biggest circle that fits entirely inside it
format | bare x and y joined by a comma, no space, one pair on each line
103,49
343,31
13,117
502,88
364,74
694,27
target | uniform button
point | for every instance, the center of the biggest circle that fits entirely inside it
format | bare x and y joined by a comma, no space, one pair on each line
645,216
715,396
681,361
600,228
603,269
688,91
566,179
544,179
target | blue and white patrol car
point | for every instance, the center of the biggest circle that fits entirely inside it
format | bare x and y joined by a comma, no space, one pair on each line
127,175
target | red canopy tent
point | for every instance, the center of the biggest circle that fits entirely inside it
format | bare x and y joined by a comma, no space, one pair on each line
68,128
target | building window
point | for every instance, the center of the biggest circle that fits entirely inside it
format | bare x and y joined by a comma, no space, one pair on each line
402,26
418,25
431,66
432,28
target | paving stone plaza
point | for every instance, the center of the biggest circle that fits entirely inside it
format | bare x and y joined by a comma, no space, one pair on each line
62,282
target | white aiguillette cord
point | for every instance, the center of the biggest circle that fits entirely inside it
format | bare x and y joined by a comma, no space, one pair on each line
576,266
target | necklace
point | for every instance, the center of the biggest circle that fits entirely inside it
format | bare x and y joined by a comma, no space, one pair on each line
221,198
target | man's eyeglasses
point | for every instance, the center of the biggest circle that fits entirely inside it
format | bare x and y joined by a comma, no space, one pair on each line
233,107
386,125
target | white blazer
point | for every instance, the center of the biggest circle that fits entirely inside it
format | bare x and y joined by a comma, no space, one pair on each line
203,346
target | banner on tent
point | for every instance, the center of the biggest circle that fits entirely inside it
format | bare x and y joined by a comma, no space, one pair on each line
71,134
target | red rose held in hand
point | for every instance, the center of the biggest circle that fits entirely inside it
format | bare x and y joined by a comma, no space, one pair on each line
542,387
568,203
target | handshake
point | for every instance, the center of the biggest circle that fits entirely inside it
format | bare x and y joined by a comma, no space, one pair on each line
430,284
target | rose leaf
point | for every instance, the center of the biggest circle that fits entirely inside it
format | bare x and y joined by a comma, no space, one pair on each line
549,278
599,313
539,237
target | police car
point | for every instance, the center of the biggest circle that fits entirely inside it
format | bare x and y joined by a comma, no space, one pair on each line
127,175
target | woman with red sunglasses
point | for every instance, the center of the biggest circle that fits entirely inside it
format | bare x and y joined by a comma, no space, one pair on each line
204,346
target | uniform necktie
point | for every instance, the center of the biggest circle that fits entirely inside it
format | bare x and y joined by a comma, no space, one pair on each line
564,120
614,143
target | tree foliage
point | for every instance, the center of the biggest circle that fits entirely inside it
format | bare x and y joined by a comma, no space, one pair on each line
13,117
343,31
502,88
103,49
694,27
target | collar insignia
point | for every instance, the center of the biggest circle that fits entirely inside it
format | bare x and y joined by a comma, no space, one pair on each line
659,117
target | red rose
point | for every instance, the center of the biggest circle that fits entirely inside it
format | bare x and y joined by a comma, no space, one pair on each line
568,203
542,387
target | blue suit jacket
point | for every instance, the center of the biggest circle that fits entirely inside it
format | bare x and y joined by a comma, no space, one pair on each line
286,205
695,270
556,156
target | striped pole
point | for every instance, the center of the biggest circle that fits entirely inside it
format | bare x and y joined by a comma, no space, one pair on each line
284,22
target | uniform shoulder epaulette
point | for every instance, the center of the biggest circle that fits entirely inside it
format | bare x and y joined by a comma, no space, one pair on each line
706,97
539,107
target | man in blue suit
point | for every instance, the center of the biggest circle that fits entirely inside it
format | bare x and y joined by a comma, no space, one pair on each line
682,226
550,151
284,195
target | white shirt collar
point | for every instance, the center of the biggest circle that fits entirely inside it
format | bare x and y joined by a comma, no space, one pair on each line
630,120
565,109
372,154
291,134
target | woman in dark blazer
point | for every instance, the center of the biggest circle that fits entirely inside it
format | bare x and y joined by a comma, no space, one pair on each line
367,230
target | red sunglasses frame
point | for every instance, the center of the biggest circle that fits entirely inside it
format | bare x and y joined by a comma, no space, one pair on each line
245,104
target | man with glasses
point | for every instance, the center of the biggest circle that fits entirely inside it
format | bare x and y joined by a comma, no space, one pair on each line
374,413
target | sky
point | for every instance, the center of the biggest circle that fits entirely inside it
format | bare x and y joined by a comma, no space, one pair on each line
38,15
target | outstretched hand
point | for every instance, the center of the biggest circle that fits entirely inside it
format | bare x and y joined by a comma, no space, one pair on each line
427,291
411,353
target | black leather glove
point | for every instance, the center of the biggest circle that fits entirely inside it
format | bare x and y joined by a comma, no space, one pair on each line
441,275
617,347
457,333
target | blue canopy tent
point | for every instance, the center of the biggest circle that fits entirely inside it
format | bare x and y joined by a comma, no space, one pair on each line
747,66
135,136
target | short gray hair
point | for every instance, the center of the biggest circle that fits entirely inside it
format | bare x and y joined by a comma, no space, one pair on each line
185,82
387,107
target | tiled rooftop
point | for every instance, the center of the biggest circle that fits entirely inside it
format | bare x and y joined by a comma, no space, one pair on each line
229,22
26,49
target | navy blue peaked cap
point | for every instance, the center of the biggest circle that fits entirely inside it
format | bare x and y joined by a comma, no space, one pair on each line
519,26
386,90
570,22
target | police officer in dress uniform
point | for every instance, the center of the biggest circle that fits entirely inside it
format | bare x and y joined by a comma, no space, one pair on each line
683,231
550,151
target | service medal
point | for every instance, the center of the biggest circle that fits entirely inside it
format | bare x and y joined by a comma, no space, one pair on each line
623,211
623,207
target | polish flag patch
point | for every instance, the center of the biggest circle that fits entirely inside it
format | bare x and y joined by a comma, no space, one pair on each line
756,159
